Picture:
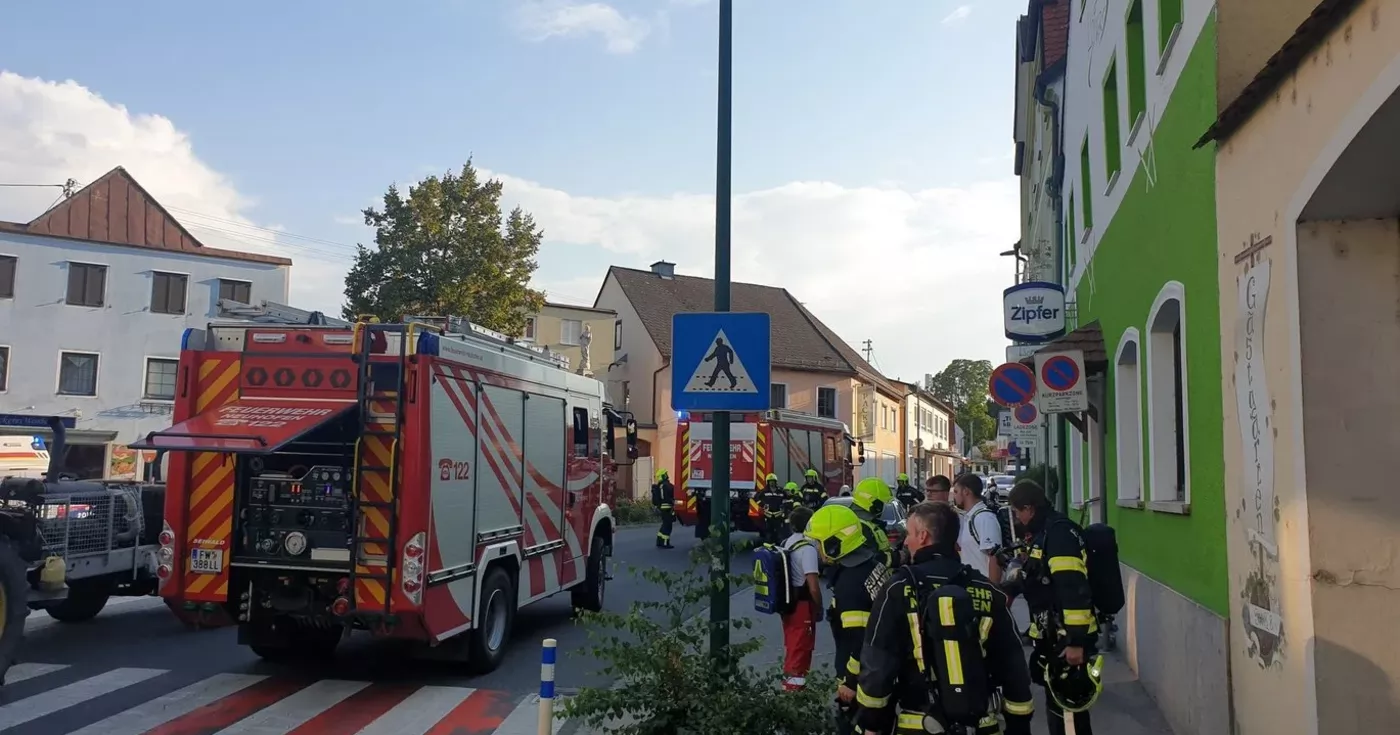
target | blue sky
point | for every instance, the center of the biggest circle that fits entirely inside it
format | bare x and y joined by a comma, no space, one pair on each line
599,117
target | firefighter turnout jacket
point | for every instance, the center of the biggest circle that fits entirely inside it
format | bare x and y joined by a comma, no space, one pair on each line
908,496
894,690
813,494
1057,584
773,500
853,586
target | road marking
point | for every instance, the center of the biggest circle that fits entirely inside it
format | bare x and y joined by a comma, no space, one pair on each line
290,713
161,710
38,620
420,712
47,703
20,672
525,718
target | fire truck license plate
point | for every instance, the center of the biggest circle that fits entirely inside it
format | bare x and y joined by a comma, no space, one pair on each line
207,561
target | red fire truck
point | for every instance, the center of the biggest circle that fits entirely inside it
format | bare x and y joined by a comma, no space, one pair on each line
411,481
785,443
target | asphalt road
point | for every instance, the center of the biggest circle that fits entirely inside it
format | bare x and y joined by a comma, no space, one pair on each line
75,675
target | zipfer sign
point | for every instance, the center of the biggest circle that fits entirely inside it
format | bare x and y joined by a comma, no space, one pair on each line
1034,311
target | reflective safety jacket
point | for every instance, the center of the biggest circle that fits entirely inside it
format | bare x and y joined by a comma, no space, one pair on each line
894,688
1057,583
663,494
853,591
813,495
908,496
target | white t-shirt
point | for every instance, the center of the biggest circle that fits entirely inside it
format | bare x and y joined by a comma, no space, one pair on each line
974,544
802,561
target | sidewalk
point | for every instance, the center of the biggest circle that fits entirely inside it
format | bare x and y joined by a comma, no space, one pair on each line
1123,709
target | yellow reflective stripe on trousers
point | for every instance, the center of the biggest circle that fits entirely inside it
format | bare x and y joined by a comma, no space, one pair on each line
1067,564
865,700
853,666
1079,617
953,652
1018,708
855,619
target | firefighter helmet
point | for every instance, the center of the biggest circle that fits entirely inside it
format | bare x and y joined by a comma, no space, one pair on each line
1074,688
660,474
811,474
902,478
771,478
790,487
871,495
837,531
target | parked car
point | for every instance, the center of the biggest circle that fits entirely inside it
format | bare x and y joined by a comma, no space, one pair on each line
1000,484
896,520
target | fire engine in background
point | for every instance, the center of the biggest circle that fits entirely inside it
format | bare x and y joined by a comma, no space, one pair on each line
785,443
416,482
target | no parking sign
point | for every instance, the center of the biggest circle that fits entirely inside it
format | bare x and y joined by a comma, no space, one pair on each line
1060,382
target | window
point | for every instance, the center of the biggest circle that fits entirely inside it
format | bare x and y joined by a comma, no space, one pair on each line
1168,20
617,335
1167,412
168,292
77,373
1112,156
7,276
240,291
87,284
569,330
1127,410
160,379
1086,185
4,368
777,395
1137,63
826,402
529,329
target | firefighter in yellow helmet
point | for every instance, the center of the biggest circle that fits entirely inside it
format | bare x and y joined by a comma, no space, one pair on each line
868,501
813,491
794,500
773,500
663,497
857,573
907,495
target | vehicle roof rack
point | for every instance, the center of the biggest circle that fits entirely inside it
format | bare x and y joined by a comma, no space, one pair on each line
459,327
270,312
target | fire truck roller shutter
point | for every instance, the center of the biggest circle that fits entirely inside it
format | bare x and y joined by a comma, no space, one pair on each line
247,426
548,493
459,467
800,454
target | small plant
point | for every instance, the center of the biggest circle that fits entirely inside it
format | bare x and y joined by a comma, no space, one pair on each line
666,682
630,512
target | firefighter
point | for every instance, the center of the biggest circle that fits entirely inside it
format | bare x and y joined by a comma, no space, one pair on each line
697,500
857,572
773,501
894,691
813,491
794,499
1064,632
907,495
663,494
868,501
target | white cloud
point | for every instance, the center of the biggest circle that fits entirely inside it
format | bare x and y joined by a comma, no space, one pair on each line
54,131
959,13
543,19
915,271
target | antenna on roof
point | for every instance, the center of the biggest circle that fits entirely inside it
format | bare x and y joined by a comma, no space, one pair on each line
868,349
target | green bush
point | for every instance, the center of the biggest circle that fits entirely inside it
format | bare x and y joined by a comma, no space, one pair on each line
666,683
629,512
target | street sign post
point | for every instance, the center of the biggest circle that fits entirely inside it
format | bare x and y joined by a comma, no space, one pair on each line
1012,384
1061,378
1004,423
720,361
719,488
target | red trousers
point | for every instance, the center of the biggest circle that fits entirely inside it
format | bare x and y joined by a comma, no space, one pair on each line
799,639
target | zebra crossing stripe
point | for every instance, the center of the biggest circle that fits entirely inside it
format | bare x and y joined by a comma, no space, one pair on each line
20,672
290,713
419,712
47,703
157,712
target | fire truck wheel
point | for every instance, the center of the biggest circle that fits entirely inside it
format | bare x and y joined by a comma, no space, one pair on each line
590,595
497,614
14,605
84,601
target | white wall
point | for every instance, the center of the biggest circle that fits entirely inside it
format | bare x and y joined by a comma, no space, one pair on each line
643,359
1097,36
37,325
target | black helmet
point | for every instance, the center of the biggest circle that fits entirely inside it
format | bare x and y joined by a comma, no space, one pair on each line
1075,688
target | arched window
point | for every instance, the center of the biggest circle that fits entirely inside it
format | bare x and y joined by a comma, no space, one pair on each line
1167,414
1127,418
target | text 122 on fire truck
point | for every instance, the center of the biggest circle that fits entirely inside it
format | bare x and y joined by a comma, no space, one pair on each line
394,478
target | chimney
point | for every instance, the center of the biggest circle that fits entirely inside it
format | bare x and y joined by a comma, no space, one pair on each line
664,269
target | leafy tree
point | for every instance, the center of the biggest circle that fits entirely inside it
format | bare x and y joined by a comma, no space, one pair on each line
444,251
658,652
963,385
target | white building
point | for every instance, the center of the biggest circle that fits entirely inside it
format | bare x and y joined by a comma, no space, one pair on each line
930,449
94,297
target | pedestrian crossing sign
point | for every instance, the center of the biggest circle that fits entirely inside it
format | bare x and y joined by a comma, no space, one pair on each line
720,361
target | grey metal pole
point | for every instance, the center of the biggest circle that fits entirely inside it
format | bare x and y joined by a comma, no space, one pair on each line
720,502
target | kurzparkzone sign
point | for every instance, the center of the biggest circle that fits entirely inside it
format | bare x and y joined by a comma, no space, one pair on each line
1034,311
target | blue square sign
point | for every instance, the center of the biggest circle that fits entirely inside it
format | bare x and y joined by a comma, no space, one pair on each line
720,361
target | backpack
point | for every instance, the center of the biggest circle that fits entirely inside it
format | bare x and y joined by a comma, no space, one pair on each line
1105,576
952,648
773,593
